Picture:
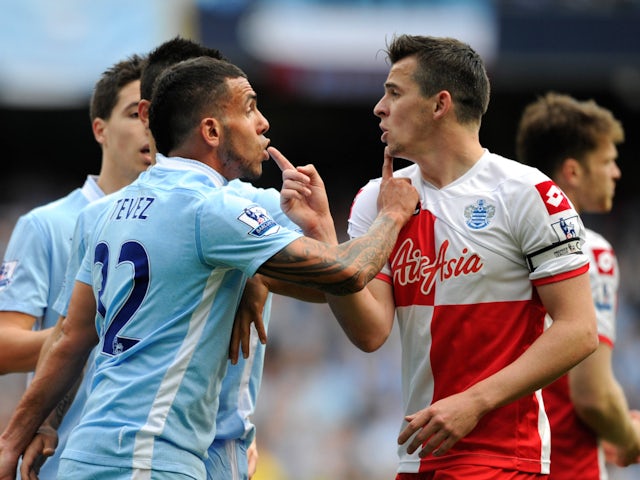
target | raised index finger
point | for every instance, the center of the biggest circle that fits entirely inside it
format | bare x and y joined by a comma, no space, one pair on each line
387,165
280,159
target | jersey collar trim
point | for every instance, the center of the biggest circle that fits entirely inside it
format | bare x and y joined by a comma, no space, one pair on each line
179,163
91,190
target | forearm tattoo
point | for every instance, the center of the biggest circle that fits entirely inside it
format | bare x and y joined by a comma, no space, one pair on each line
61,409
341,269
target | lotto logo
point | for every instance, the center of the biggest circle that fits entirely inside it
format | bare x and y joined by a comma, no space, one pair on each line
605,261
553,198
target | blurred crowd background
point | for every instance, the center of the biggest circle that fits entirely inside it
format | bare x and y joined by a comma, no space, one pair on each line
326,410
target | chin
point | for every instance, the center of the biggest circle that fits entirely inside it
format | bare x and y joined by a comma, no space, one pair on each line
252,175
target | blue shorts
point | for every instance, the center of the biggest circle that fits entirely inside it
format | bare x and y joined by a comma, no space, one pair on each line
227,460
74,470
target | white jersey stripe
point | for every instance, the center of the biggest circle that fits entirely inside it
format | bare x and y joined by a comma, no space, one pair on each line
143,449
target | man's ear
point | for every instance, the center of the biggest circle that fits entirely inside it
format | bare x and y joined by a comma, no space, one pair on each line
210,130
143,112
571,171
443,104
98,126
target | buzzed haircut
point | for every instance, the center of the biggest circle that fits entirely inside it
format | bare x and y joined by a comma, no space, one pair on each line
183,94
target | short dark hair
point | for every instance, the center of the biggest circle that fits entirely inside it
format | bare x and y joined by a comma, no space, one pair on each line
107,89
557,126
447,64
167,54
183,94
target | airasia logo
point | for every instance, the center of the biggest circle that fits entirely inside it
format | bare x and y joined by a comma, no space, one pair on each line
410,266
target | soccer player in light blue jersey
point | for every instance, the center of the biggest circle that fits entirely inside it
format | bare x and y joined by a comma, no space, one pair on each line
165,269
35,260
228,456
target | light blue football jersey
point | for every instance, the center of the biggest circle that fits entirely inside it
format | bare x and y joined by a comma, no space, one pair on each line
168,261
32,274
36,257
242,381
241,384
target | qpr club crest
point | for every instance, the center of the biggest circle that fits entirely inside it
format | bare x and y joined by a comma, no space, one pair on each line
259,220
479,214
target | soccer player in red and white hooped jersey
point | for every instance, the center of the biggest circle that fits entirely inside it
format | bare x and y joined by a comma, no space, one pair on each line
574,142
493,247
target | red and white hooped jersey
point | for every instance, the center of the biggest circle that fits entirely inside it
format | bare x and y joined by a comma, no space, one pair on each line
463,271
575,448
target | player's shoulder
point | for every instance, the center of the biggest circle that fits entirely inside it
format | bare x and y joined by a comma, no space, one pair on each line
597,241
246,189
49,212
515,182
99,205
503,169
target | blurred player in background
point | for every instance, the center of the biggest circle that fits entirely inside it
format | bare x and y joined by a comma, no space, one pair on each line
574,142
34,264
470,277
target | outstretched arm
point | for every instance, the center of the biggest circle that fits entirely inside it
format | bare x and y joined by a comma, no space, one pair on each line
348,267
303,198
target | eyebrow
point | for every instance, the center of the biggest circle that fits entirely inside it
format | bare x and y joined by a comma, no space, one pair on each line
252,97
132,104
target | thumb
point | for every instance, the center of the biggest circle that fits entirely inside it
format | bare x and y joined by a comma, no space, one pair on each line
49,444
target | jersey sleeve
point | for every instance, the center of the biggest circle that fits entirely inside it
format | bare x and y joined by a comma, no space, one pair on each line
364,209
238,233
604,280
269,199
549,229
25,273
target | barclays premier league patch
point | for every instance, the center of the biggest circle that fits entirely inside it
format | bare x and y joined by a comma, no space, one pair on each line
6,273
259,220
566,228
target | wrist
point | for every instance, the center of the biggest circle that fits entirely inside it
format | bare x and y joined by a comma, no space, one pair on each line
398,217
323,231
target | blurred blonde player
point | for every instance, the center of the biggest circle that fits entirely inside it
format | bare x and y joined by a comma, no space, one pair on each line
574,142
